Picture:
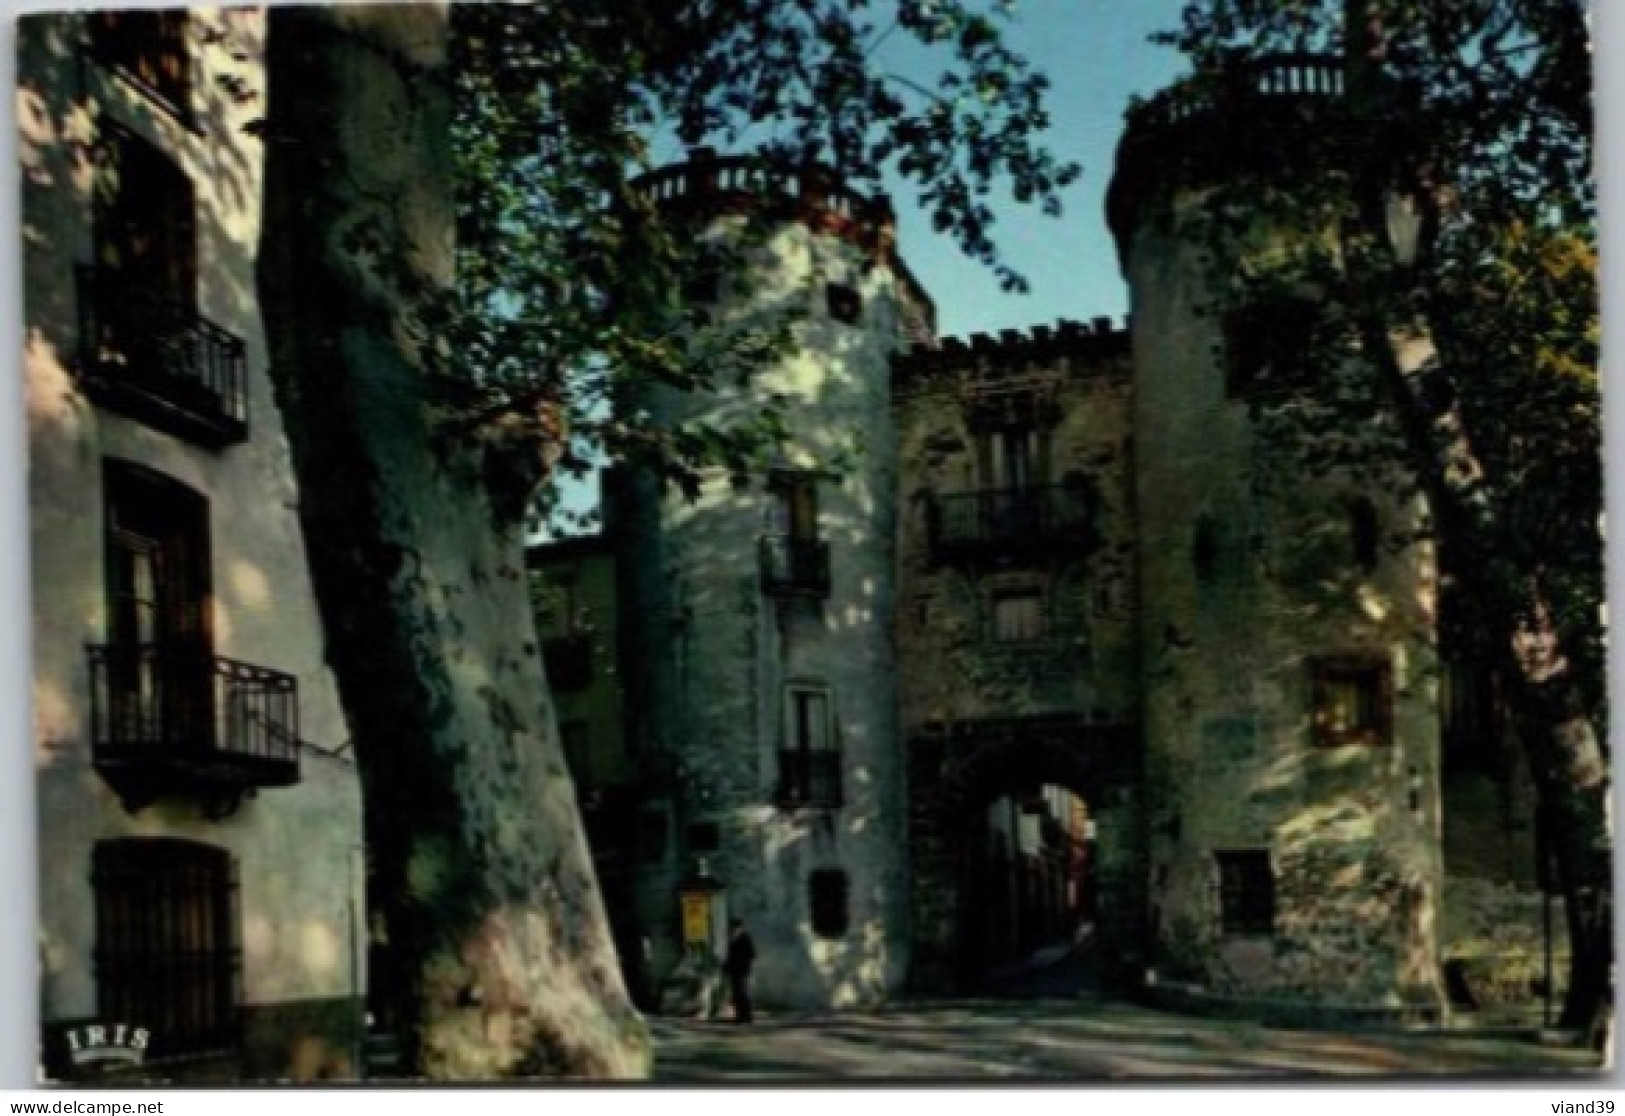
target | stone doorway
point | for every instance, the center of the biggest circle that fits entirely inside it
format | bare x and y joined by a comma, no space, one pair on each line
964,931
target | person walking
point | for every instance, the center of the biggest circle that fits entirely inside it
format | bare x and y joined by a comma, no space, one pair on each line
736,966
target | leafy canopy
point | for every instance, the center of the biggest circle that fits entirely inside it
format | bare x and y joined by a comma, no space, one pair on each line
1481,111
570,285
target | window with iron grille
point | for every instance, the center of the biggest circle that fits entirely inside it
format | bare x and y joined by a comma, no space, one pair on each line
809,760
1351,701
829,894
1246,891
167,956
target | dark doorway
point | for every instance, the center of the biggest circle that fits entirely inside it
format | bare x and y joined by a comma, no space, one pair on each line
1027,895
1027,852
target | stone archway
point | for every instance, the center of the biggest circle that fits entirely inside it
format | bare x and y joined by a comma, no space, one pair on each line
957,770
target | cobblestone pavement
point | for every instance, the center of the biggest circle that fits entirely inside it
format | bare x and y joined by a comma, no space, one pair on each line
1054,1040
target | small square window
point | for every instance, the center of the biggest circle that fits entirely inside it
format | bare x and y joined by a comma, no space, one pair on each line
702,287
1018,617
1352,702
830,898
1246,892
844,302
1267,346
704,837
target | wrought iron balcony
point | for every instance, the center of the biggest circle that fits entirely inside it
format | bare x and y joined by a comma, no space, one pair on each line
166,720
810,778
569,662
1012,520
793,567
158,360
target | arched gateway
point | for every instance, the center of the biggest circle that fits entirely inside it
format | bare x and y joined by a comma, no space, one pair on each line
956,771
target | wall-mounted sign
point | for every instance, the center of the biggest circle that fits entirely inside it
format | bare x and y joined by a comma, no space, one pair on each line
696,917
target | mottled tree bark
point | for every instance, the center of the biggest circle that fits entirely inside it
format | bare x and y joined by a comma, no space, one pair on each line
1548,711
503,960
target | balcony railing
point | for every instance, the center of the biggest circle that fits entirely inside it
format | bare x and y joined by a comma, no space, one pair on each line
167,720
158,360
809,778
1012,519
794,567
569,662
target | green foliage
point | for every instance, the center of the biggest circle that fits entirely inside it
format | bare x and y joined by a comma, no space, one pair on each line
1480,110
570,288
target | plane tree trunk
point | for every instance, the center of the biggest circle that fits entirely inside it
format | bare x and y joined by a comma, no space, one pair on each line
502,960
1549,712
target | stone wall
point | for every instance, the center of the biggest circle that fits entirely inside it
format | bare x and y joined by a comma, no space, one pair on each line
714,652
985,714
1497,927
1084,661
1249,579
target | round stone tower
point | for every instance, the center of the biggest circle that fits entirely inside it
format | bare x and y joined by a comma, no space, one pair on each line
760,674
1288,657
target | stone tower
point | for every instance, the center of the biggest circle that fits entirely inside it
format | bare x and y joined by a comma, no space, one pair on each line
757,632
1288,658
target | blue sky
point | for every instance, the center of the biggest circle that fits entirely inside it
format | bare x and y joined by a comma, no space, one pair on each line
1096,54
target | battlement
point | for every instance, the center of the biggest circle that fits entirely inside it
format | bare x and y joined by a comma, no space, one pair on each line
709,185
1273,79
1252,116
1015,350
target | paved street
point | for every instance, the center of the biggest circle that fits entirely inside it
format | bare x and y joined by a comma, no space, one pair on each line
1009,1040
1059,1041
1045,1019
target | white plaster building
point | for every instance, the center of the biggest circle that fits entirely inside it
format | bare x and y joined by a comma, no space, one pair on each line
201,861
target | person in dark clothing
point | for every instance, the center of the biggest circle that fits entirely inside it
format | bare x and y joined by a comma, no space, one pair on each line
736,966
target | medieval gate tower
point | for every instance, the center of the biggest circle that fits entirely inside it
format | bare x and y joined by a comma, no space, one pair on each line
1288,661
768,687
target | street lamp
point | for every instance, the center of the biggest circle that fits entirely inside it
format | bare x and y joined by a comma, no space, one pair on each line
1404,218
